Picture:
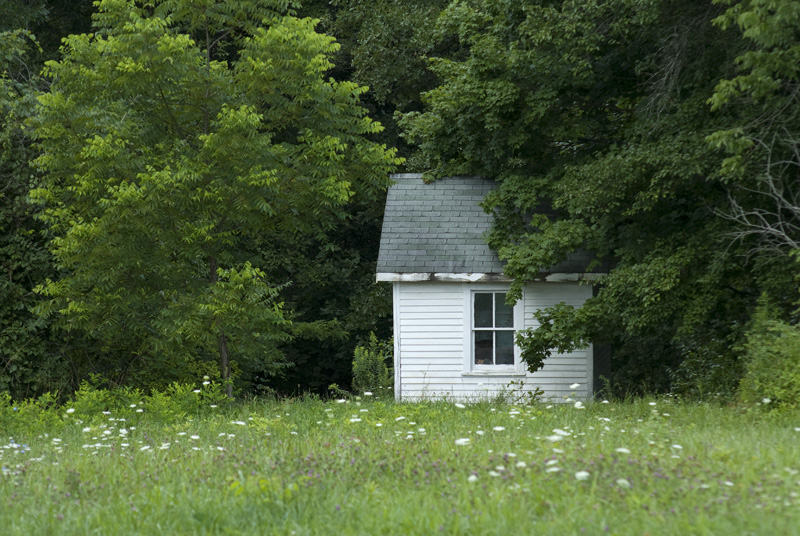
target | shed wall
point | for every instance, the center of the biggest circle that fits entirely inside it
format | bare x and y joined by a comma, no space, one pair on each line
431,349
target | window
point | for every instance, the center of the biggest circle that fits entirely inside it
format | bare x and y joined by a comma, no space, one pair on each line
492,329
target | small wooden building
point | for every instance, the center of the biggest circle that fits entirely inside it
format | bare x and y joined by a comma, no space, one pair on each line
453,332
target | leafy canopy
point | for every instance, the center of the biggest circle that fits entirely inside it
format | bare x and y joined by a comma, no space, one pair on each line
171,138
600,111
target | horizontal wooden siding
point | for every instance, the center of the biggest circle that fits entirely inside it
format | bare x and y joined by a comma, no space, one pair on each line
430,343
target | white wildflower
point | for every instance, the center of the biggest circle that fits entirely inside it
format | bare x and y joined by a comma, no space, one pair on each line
521,465
462,441
462,406
579,405
355,419
472,478
552,469
621,482
623,450
71,410
499,428
574,386
582,475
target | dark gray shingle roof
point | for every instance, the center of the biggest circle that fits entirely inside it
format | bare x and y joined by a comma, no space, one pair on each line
441,228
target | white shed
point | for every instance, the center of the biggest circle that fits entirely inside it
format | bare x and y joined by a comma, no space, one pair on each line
453,332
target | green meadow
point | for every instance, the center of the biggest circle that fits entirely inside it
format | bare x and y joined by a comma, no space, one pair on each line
373,466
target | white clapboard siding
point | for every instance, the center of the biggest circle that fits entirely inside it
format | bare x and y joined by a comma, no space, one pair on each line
430,345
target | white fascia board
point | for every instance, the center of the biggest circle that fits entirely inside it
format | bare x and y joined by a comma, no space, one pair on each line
440,276
416,277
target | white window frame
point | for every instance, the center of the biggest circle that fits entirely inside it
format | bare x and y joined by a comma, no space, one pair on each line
470,368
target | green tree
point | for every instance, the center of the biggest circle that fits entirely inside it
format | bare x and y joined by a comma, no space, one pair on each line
762,140
33,357
598,111
172,138
24,260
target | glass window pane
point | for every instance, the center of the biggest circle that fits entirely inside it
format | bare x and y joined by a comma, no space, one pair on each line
505,348
483,347
504,314
483,310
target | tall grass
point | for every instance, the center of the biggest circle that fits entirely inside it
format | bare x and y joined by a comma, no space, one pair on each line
376,467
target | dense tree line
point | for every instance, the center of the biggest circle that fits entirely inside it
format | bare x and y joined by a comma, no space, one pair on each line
662,132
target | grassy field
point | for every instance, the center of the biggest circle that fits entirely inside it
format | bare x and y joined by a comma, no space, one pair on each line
377,467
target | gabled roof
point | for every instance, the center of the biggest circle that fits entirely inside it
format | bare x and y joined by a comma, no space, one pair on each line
440,228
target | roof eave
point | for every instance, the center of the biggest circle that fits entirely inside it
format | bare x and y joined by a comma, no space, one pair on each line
417,277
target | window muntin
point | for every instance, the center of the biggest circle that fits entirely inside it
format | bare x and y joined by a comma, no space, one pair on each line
492,329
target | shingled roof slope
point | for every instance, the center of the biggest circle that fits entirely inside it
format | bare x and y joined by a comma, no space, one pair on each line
441,228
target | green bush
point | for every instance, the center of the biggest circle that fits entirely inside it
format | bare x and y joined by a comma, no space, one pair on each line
29,417
91,405
709,371
370,372
772,361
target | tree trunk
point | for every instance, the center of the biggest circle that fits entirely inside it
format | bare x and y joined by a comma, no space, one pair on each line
224,364
222,341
